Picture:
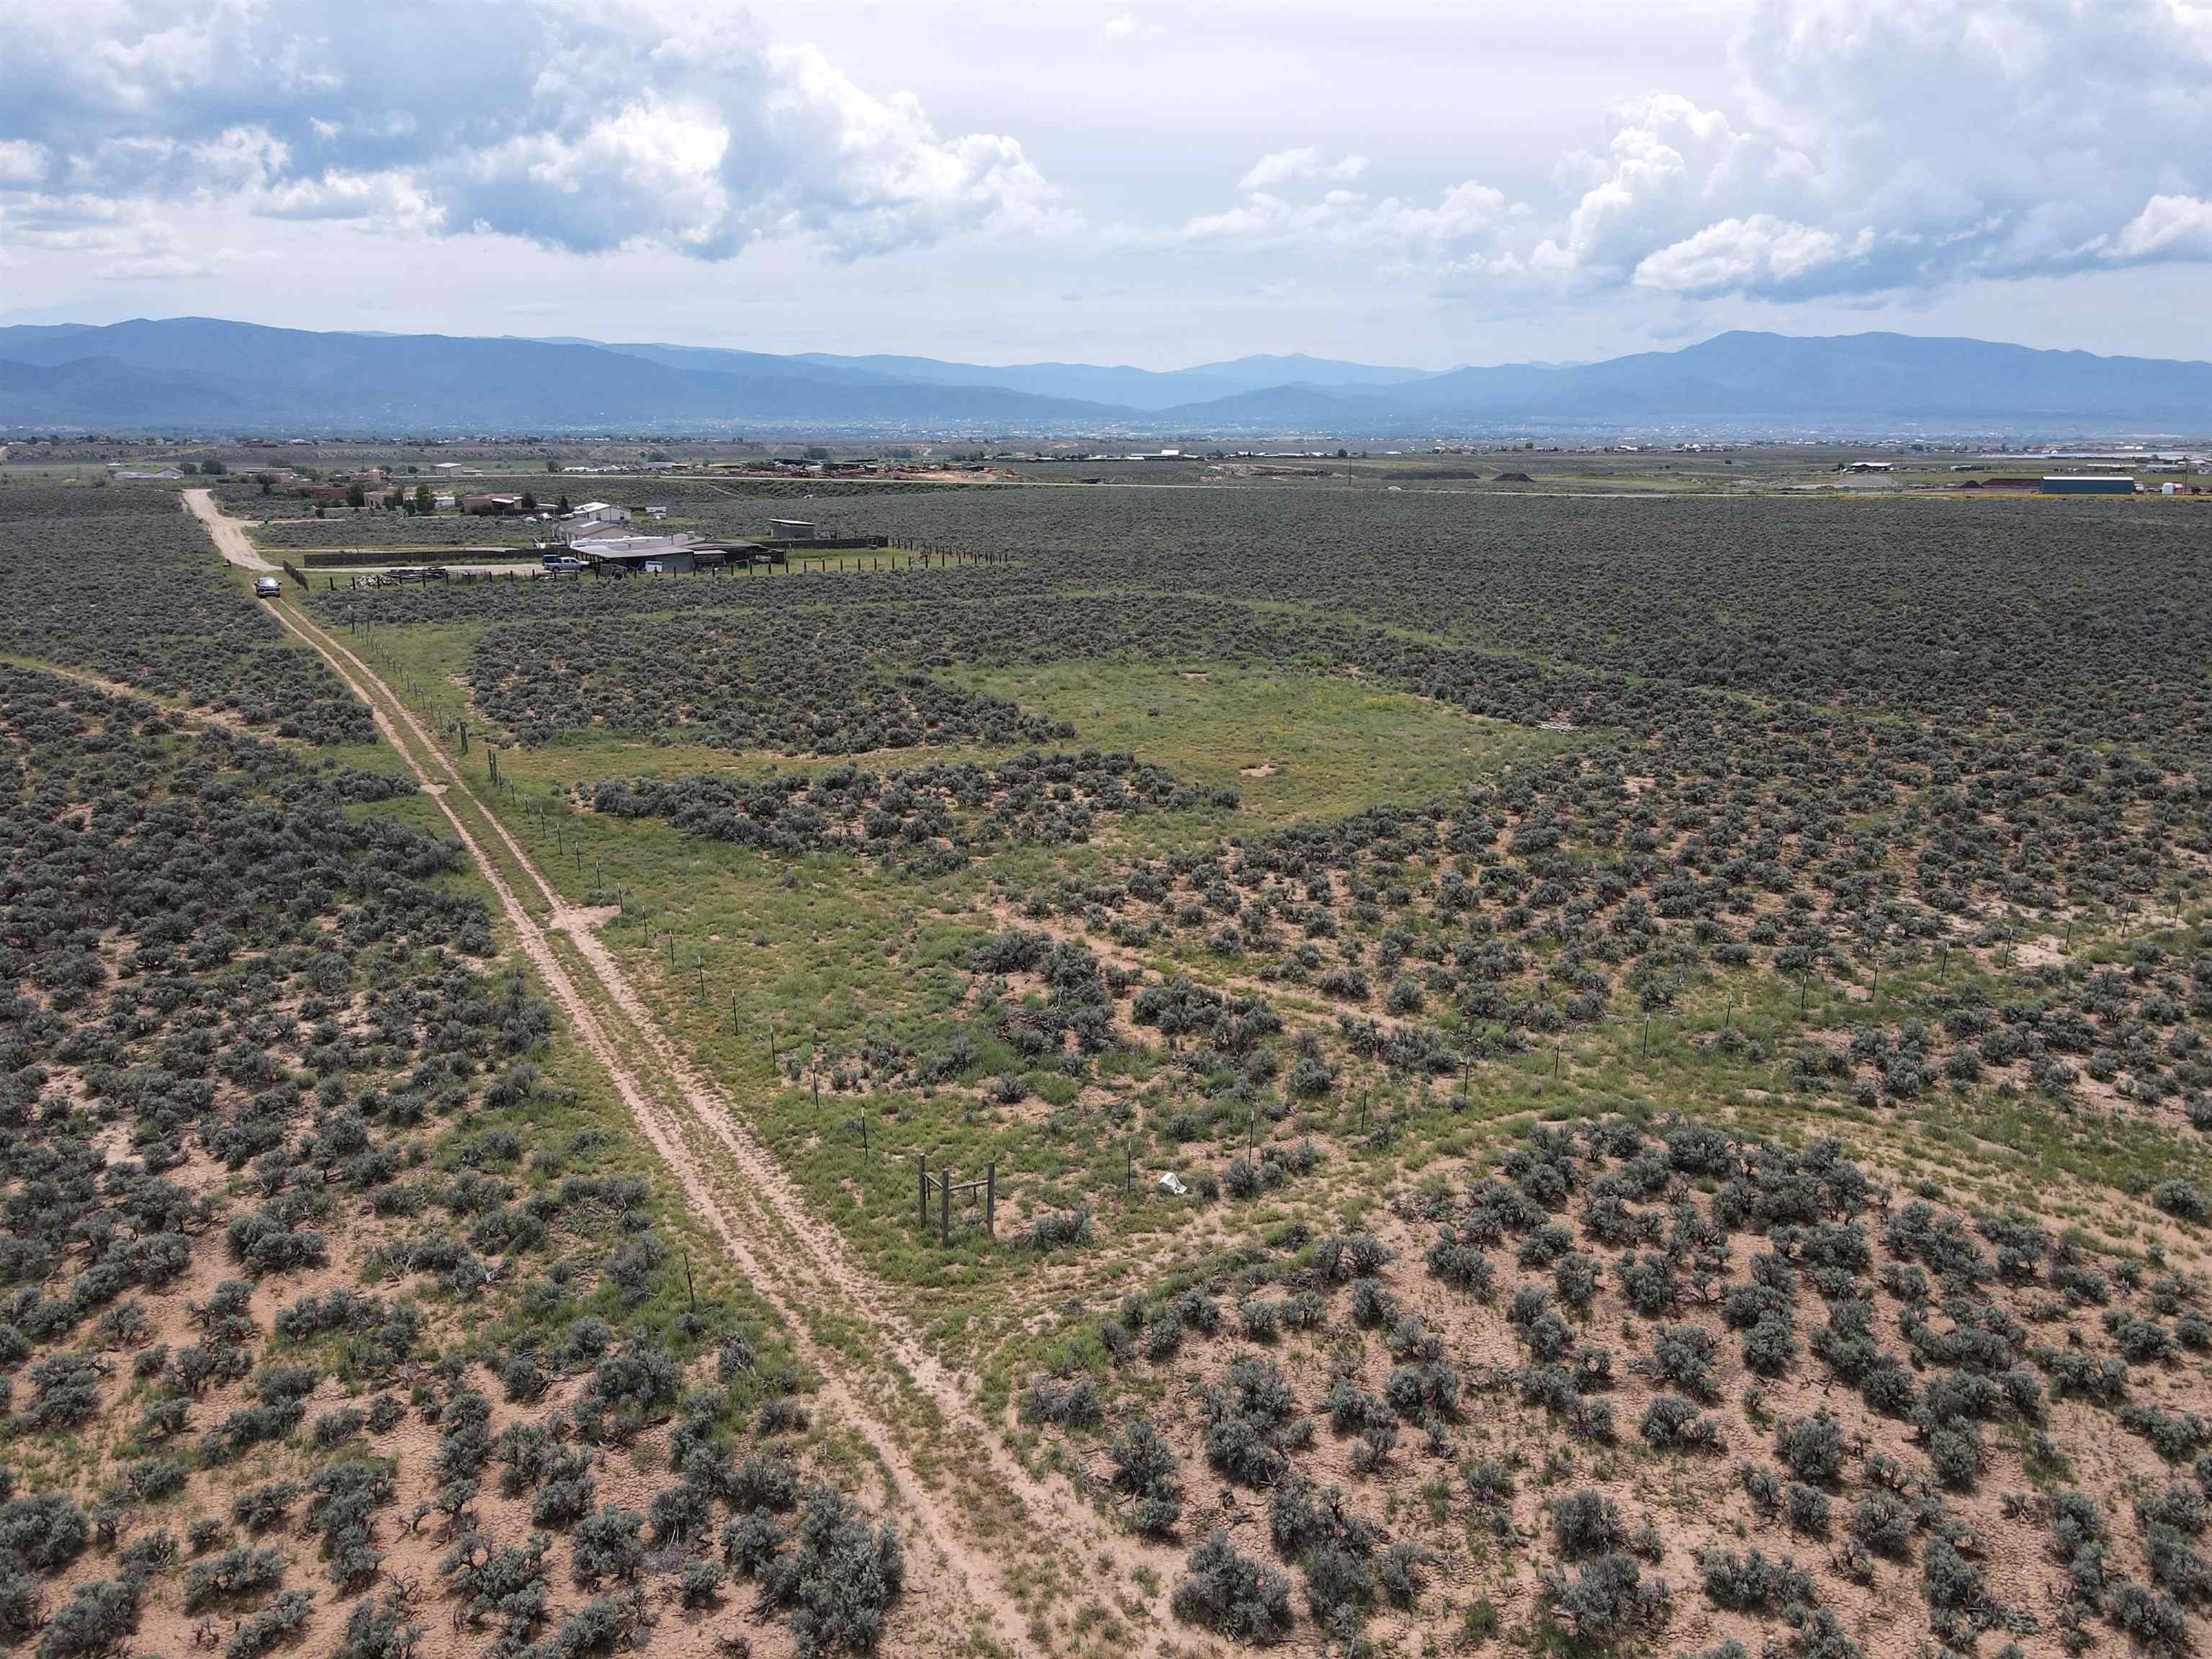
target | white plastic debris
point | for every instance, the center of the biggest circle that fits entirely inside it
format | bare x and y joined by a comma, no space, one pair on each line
1173,1182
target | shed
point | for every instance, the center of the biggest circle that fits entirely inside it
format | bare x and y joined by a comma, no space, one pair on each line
792,530
2087,485
640,556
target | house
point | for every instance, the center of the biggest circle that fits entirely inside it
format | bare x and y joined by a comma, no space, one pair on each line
791,530
491,507
595,513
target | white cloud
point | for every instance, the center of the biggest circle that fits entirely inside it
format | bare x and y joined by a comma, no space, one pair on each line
584,126
1288,166
1125,26
2168,228
1869,147
1761,252
1851,148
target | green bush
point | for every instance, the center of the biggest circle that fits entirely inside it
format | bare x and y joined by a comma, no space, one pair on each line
1233,1595
838,1581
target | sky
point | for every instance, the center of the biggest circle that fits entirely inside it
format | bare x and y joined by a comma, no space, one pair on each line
1425,184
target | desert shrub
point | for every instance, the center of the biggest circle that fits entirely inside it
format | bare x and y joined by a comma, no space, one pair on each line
65,1391
2181,1507
1233,1595
698,1582
1883,1523
342,1510
148,1554
1252,1423
1068,1405
1770,1346
1811,1448
1144,1468
605,1545
837,1580
1372,1304
234,1572
2156,1622
679,1514
567,1494
1586,1522
45,1531
95,1620
1608,1597
1671,1423
1955,1453
1951,1583
628,1389
273,1624
379,1628
1461,1263
260,1508
1806,1506
1058,1229
751,1542
1574,1280
762,1480
1682,1355
1752,1582
2183,1198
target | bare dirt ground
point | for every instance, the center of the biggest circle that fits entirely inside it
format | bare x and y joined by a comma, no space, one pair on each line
1001,1531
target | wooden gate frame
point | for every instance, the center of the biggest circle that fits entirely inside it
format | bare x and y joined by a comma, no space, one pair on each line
946,1186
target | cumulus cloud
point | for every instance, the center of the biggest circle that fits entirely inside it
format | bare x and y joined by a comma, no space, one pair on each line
1760,251
1868,146
2168,228
1296,197
1286,165
1860,147
583,126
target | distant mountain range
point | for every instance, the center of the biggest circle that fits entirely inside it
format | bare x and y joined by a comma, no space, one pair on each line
204,375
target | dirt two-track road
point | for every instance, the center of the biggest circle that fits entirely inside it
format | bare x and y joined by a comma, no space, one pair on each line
988,1535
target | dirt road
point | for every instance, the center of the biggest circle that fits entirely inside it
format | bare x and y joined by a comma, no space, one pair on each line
992,1525
230,538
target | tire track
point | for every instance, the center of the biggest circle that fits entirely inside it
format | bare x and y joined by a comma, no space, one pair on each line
773,1225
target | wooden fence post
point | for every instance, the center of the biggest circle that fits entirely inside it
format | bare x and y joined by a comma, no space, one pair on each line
944,1204
991,1199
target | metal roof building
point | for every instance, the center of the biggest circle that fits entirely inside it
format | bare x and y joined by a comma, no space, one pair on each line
2086,484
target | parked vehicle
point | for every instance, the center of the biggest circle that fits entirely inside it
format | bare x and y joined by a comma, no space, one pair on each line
267,588
559,561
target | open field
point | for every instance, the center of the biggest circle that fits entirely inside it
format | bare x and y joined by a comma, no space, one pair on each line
1560,1075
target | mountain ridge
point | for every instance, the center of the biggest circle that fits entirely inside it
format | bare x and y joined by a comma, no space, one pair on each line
210,373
